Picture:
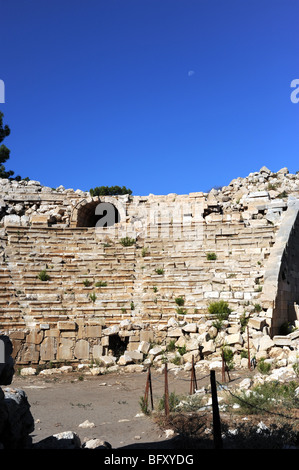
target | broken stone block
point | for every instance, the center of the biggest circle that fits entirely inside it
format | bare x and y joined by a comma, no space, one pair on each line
81,350
234,339
144,347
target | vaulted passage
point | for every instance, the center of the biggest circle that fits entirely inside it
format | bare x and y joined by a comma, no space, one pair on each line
95,213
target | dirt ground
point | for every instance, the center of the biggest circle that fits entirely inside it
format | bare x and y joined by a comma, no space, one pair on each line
112,402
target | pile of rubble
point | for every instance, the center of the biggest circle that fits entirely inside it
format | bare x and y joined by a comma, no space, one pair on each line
179,342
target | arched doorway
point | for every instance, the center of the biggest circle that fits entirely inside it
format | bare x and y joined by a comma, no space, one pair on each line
97,213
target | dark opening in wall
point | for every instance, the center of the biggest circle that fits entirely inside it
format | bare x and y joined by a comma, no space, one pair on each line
118,345
102,214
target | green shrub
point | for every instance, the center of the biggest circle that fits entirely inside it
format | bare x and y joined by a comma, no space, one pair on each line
182,350
87,283
211,256
296,368
127,241
228,356
266,397
263,367
244,354
181,311
221,308
218,324
93,297
171,346
101,284
257,308
144,251
159,271
176,360
173,401
180,301
43,276
244,322
283,195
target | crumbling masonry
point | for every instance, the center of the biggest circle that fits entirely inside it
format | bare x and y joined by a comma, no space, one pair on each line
75,289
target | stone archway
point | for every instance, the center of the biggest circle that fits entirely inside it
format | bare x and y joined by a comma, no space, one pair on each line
93,212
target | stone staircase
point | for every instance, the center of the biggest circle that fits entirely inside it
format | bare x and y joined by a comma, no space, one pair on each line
76,260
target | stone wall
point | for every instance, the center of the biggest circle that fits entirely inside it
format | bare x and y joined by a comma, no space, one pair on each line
281,292
95,282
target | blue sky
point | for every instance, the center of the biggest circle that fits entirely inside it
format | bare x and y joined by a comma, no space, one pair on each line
161,96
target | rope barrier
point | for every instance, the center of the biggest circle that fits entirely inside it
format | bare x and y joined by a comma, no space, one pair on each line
193,386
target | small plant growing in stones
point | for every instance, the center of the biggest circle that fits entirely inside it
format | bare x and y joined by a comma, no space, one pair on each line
93,297
127,241
144,251
43,276
171,346
244,321
211,256
101,284
181,311
159,271
87,283
180,301
263,367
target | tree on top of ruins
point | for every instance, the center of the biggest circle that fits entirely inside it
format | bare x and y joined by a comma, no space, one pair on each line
109,191
5,152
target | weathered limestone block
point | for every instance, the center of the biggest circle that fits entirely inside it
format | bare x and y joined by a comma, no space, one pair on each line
108,361
12,219
130,357
192,344
209,347
282,341
187,357
133,346
147,335
144,347
35,337
257,323
66,325
174,332
48,349
265,343
190,328
31,353
97,351
155,351
111,330
81,350
65,349
181,342
93,331
234,339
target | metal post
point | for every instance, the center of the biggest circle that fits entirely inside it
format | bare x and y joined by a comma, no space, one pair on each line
216,417
249,365
166,395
